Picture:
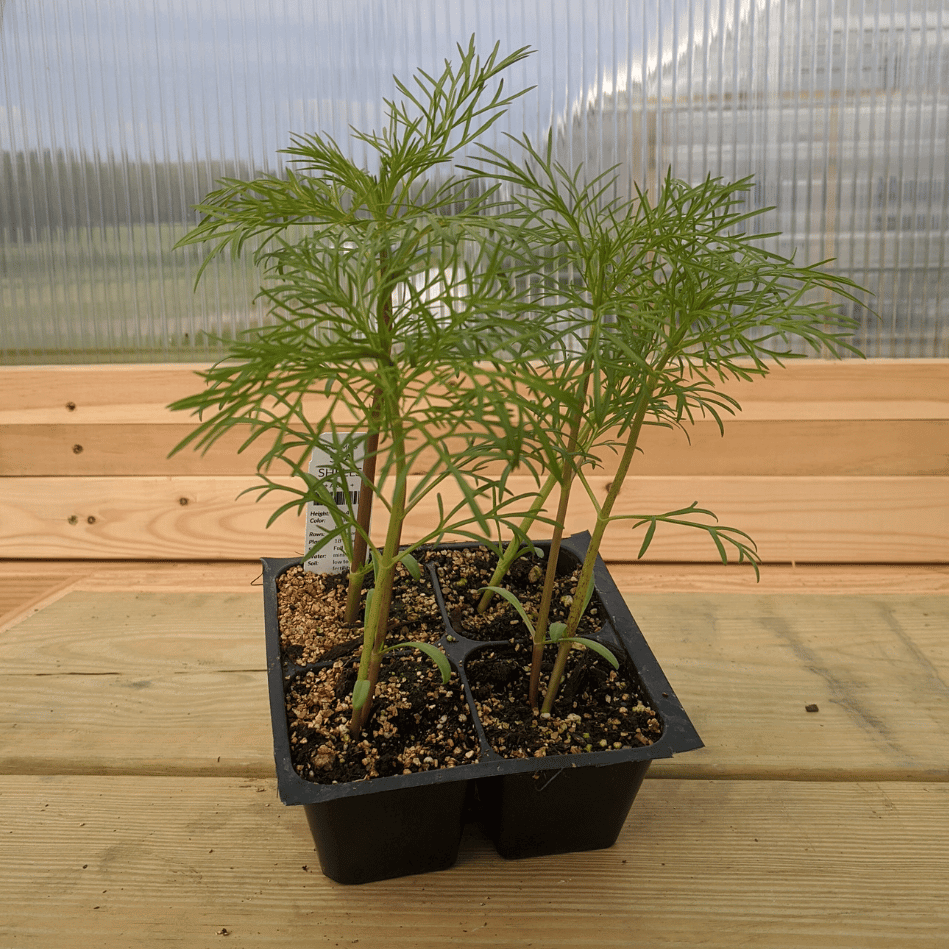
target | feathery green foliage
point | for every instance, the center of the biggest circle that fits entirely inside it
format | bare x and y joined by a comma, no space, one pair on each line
663,300
473,313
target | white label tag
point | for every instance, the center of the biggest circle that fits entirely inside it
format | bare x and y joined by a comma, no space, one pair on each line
319,522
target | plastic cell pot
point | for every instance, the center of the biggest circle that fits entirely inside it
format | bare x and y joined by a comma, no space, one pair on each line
408,824
567,810
364,830
400,831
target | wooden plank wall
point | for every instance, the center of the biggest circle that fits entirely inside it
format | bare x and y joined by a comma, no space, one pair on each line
828,463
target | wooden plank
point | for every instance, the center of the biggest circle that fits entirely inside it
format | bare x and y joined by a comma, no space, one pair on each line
826,579
805,410
139,393
793,408
149,683
111,863
859,520
138,635
850,380
876,667
146,576
123,393
800,423
156,723
115,576
173,683
24,593
901,446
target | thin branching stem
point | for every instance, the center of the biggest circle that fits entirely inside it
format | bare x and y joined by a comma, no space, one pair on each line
514,317
357,569
585,580
550,574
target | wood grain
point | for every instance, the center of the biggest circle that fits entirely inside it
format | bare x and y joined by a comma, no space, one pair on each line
815,417
113,863
166,683
767,447
826,579
138,635
863,520
202,724
111,576
829,462
125,393
747,669
130,576
137,805
24,593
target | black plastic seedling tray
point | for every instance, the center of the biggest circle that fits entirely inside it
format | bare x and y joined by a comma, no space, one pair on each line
408,824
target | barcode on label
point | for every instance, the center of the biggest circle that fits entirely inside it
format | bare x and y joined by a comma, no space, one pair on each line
339,498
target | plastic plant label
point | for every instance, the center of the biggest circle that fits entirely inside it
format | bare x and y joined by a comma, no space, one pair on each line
319,519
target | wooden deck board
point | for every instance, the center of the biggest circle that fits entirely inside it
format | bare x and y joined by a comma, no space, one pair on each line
18,592
194,723
173,683
24,593
138,808
145,575
239,576
863,661
123,862
138,634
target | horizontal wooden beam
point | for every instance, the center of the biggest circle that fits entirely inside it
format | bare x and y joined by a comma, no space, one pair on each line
829,461
135,393
861,520
179,863
836,447
188,669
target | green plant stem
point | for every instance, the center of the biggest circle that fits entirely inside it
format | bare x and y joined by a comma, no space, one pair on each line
357,567
513,550
374,633
602,521
547,595
550,575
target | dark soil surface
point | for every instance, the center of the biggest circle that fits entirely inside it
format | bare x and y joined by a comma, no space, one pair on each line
419,724
597,708
462,574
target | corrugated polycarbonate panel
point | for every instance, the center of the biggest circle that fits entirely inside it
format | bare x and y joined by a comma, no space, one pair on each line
117,115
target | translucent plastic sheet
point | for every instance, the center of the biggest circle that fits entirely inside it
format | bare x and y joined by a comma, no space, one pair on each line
116,116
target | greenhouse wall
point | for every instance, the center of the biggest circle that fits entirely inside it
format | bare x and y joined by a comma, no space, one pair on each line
117,116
